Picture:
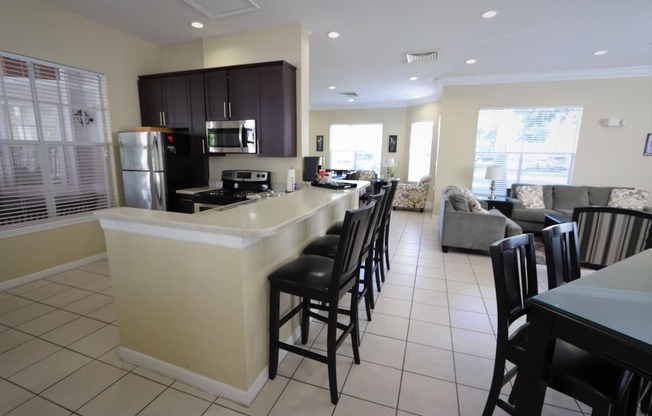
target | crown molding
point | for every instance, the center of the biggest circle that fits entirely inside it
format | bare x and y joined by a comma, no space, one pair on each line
583,74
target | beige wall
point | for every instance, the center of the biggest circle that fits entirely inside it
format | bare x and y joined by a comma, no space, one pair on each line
605,155
37,29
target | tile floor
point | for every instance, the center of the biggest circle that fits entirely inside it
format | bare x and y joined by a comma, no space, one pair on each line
427,351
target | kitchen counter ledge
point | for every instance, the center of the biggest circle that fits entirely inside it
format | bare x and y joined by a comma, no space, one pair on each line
235,228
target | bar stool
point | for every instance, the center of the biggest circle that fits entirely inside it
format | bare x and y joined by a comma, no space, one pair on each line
381,241
321,282
326,245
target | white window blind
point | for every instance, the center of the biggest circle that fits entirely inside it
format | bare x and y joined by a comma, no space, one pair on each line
531,145
53,142
356,146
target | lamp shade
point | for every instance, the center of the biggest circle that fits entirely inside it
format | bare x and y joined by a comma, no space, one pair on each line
388,161
494,172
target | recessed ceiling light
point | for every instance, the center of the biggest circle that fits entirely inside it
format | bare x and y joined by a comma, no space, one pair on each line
333,35
332,87
197,25
600,52
351,100
489,14
413,78
470,61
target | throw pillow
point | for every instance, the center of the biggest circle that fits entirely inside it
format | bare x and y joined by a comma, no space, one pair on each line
531,196
474,204
628,198
459,201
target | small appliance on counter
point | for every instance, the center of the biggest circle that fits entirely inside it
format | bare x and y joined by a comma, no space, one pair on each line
154,165
239,187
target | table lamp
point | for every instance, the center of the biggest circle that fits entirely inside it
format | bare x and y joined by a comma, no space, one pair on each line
493,173
388,163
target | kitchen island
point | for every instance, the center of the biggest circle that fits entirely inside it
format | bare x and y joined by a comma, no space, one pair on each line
191,290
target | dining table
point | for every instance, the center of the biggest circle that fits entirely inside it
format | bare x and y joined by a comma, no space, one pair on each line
608,313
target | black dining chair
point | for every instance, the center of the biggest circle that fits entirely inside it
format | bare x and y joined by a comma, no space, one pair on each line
326,245
562,253
321,282
608,234
572,371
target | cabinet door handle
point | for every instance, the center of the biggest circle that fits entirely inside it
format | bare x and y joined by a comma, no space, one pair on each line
203,146
229,109
160,118
165,122
224,109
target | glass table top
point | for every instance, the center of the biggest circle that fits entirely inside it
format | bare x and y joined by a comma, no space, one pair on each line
617,298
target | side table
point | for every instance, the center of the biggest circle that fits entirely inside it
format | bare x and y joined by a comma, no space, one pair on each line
501,203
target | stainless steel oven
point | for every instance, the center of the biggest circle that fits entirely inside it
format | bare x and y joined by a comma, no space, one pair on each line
231,136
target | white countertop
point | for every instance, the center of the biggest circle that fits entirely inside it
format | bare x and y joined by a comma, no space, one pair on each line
263,218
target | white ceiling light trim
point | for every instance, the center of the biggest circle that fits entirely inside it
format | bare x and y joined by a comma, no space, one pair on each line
222,9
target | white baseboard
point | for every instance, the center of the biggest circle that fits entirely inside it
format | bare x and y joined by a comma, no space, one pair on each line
51,271
240,396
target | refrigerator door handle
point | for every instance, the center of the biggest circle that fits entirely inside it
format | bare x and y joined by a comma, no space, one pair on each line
160,192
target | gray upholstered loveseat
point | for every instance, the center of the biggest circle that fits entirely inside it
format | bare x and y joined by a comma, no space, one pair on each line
461,228
558,199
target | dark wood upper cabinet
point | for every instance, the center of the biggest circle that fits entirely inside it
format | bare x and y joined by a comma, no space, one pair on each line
265,92
216,95
164,102
232,94
277,125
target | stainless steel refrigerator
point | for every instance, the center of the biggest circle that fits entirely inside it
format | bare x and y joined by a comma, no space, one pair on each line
154,166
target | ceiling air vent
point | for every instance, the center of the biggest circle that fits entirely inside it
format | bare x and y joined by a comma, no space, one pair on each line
421,56
348,94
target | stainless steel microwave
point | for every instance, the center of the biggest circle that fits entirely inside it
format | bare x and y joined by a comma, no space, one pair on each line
231,136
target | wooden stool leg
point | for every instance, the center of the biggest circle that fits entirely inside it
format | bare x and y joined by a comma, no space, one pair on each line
274,305
331,351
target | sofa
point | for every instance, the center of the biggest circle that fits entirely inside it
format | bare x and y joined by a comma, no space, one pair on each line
412,196
558,199
465,223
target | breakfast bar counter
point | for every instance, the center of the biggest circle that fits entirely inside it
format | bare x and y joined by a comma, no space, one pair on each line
191,290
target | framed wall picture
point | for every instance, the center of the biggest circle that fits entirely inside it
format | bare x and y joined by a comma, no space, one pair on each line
648,145
320,143
393,139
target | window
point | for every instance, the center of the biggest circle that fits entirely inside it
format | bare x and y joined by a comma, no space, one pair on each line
356,146
420,150
532,145
53,143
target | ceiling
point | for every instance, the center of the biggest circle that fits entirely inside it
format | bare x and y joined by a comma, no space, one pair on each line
528,40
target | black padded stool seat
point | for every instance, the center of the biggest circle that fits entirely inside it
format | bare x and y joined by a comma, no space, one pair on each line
321,282
325,245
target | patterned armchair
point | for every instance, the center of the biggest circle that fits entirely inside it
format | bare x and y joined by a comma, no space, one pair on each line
413,196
